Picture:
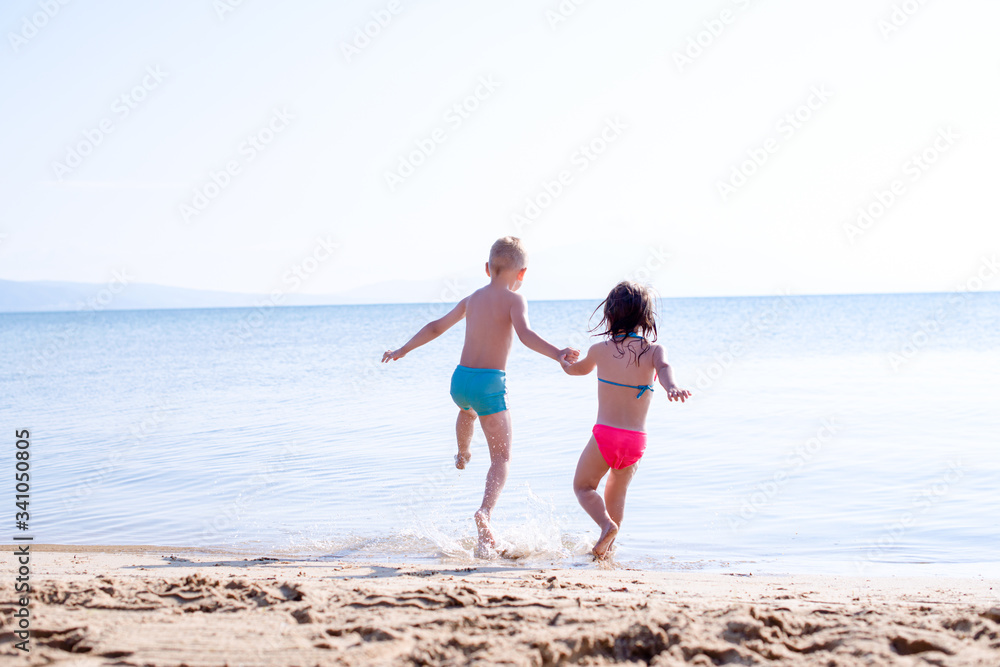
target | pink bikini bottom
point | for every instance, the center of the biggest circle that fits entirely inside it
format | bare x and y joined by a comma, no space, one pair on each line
619,447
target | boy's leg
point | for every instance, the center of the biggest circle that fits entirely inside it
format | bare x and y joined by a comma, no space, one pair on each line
497,428
589,471
464,428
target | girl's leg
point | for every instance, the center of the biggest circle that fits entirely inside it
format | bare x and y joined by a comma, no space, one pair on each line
589,471
463,432
614,492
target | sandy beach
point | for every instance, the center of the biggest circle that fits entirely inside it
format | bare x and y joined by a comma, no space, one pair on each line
165,606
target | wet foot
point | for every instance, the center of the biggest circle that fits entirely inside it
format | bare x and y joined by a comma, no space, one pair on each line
462,458
487,541
603,546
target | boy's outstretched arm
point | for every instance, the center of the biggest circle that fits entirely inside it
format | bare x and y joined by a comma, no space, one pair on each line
666,375
429,332
531,340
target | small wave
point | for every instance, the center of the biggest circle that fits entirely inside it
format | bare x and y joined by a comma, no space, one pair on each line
534,535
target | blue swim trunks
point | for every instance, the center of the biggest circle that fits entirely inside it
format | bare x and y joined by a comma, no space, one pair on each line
482,389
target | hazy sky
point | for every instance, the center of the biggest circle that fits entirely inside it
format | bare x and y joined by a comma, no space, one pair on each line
715,148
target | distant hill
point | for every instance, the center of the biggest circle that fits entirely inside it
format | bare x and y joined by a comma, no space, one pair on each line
47,296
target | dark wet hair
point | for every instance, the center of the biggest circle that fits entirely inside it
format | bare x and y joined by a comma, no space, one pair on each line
629,308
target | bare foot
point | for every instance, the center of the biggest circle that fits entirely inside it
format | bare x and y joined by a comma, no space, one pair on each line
486,539
462,458
604,543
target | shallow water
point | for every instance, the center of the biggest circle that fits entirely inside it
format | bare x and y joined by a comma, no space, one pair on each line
854,434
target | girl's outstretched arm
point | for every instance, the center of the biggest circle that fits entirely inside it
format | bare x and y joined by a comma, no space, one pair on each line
429,332
582,367
666,375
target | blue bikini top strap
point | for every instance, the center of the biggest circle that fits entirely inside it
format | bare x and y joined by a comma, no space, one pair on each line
643,388
631,334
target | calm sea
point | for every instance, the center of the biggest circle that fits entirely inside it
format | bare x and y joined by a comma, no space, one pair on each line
853,434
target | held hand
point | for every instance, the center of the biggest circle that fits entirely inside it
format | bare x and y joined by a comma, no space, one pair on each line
392,355
677,394
570,354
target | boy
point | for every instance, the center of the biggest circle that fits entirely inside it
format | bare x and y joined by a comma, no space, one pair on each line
478,386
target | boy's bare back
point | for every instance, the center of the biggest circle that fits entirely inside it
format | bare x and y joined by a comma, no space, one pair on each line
490,313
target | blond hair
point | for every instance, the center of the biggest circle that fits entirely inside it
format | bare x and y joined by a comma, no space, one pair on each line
508,253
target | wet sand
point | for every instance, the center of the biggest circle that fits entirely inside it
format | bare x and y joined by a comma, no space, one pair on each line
165,606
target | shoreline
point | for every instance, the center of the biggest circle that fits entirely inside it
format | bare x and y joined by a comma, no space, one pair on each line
737,565
171,605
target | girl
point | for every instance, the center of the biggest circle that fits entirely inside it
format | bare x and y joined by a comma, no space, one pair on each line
627,364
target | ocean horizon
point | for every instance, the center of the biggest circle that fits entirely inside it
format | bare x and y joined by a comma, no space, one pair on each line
117,296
